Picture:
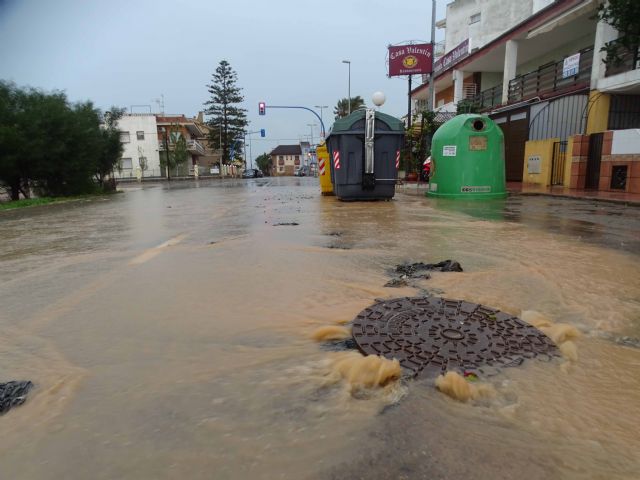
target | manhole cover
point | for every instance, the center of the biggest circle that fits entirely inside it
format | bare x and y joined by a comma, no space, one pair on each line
430,335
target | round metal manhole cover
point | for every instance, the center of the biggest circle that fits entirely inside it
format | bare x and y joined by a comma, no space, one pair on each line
430,335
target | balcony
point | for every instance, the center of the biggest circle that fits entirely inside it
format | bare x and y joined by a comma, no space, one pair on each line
492,97
629,60
548,80
194,147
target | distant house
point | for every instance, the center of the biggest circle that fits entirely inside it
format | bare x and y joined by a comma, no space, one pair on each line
146,135
286,159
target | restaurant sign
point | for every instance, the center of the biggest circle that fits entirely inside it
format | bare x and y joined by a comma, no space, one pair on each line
450,59
410,59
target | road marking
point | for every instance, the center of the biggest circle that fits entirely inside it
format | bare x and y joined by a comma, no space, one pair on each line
153,252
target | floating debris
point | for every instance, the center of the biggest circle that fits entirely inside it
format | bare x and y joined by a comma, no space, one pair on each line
397,282
405,272
415,270
13,394
339,345
286,224
628,341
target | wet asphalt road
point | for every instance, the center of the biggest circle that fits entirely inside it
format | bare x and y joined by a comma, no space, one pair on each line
166,329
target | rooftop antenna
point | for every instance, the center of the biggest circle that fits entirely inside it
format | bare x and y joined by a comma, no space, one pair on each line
160,102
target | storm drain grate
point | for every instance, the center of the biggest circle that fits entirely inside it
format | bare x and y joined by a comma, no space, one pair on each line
430,335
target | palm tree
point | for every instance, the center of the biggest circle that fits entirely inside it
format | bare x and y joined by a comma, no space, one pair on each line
342,108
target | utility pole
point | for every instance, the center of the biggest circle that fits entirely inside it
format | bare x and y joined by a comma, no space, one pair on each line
431,100
348,62
321,107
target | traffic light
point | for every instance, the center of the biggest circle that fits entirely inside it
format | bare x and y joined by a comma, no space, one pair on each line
263,133
262,107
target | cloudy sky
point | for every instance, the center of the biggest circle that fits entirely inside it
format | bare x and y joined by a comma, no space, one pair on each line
285,52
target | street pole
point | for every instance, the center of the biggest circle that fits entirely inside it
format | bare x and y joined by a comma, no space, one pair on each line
348,62
409,157
431,100
310,125
321,107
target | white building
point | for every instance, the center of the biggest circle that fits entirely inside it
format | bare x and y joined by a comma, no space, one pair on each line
536,67
139,136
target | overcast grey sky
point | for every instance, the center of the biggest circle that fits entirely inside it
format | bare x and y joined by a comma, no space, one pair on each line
285,52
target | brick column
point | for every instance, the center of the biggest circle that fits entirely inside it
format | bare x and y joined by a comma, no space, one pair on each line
579,157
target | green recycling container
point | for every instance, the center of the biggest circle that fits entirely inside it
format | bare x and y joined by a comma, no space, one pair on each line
467,155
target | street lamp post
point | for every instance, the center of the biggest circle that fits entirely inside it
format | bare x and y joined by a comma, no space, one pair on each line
431,104
348,62
311,125
321,107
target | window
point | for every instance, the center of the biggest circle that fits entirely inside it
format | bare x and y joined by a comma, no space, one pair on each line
297,159
140,135
124,137
280,160
126,163
474,18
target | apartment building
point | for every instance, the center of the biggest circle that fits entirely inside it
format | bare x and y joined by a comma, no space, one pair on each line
544,81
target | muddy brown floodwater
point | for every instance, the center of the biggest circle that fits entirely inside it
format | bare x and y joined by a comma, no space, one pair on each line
168,332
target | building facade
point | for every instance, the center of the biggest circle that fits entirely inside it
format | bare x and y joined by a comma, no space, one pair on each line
544,81
286,160
139,137
145,137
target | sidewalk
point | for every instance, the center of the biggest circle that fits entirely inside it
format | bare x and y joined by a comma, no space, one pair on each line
518,188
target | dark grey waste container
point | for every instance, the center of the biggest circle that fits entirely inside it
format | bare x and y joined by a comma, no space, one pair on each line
364,150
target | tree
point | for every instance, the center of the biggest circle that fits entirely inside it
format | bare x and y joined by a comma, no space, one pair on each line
142,161
467,105
50,146
342,107
180,152
624,16
264,163
12,163
175,153
228,121
111,152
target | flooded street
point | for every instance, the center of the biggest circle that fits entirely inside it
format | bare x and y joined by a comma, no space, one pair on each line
168,332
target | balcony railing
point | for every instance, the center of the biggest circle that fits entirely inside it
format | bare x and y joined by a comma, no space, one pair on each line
549,79
629,60
194,147
489,98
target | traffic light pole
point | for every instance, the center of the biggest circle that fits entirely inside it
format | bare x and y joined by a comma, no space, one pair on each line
245,146
301,108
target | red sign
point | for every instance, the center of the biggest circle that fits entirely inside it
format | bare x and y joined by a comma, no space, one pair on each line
410,59
450,59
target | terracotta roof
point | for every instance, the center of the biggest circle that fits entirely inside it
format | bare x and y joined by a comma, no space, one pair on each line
286,150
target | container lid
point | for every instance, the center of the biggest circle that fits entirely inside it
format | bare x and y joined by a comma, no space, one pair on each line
347,123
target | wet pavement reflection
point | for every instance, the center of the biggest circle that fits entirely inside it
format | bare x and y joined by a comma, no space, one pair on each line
167,330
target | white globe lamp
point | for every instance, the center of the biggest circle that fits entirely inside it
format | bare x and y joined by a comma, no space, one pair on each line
378,99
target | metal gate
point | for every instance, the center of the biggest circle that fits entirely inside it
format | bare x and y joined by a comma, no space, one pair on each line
558,162
593,160
515,127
